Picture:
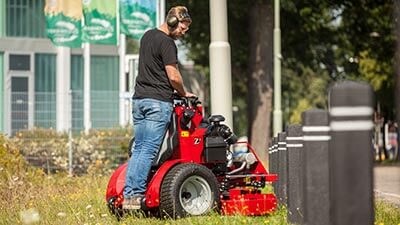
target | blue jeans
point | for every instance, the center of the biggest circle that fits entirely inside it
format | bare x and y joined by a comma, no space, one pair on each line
150,120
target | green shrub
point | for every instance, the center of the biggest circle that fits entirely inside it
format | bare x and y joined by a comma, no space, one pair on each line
16,176
45,148
97,151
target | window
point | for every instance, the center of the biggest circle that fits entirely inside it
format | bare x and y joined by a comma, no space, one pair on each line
25,18
20,62
45,90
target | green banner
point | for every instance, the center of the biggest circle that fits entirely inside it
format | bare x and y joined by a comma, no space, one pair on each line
63,22
137,16
100,22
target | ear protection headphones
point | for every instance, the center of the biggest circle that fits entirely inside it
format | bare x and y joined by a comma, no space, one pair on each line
173,20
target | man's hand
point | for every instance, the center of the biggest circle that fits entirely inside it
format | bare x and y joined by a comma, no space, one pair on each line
189,95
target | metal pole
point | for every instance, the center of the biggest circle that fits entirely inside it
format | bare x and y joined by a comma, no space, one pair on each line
220,62
277,71
351,155
87,123
122,80
70,154
162,12
63,81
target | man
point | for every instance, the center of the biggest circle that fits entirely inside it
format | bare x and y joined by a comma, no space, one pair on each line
152,102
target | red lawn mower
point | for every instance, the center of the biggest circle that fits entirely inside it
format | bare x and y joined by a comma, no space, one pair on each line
196,172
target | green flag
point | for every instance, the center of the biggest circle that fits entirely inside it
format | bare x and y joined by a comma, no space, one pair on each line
100,22
137,16
63,22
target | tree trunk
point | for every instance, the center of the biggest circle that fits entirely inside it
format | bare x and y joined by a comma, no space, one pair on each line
260,26
396,21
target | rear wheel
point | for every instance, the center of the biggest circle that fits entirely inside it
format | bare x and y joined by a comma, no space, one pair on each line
188,190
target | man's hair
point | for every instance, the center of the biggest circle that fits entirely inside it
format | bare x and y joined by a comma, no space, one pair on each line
179,12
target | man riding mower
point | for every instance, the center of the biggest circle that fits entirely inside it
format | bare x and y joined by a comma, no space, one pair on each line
195,171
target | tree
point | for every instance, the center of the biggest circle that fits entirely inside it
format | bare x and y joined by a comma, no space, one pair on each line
308,66
197,41
251,61
366,46
322,42
396,21
260,64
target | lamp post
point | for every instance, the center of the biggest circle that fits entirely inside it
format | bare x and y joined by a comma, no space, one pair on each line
277,114
220,62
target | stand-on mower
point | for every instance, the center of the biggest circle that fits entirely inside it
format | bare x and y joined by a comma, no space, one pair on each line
196,172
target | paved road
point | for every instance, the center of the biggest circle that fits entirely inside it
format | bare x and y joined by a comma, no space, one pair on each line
387,183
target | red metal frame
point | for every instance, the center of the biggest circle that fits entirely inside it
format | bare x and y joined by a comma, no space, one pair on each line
153,189
248,202
241,200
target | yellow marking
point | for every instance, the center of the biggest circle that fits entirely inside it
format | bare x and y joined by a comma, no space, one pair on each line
185,134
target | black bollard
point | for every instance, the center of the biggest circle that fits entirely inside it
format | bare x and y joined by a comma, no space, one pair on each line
282,168
351,154
270,160
275,160
316,166
294,145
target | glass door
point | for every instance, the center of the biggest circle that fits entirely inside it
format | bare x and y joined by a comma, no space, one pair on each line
19,91
19,104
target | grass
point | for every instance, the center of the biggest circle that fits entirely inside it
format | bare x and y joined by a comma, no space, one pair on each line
28,196
386,214
60,199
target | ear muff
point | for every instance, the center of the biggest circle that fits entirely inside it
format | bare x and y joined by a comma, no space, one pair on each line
173,21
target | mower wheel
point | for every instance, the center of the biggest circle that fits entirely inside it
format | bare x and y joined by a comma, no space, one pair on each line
188,190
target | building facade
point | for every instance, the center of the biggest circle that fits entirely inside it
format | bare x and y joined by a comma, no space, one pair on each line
42,85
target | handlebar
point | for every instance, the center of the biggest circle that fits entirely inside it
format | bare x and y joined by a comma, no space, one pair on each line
193,101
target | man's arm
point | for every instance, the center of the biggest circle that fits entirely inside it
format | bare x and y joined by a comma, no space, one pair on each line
176,80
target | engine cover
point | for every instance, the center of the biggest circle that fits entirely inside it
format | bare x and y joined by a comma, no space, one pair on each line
215,150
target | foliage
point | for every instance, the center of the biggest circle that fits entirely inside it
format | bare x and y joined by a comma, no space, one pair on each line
386,213
80,200
16,176
327,41
303,92
98,150
46,147
27,196
366,45
197,40
59,199
132,46
308,40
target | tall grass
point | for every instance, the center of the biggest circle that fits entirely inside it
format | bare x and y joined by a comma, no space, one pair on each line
59,199
28,196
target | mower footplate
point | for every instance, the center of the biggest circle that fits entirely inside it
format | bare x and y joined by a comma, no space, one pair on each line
250,204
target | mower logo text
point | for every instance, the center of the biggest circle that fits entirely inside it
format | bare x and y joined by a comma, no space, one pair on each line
185,134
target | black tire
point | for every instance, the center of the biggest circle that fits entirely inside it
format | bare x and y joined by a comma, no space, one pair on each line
188,190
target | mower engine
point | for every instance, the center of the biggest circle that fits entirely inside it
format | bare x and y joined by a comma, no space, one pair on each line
197,171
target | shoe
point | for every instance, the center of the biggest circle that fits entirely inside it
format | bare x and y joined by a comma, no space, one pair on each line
132,203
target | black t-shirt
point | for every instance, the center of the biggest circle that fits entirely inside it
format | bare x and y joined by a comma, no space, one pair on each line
157,50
